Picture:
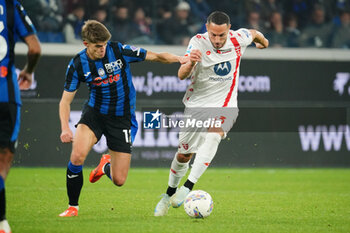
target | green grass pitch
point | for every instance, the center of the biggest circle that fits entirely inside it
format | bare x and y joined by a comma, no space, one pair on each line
245,200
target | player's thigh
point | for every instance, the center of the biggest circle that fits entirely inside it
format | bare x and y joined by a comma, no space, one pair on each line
118,134
120,164
9,125
83,141
190,141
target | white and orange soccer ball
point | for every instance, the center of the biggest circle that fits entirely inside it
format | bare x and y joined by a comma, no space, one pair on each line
198,204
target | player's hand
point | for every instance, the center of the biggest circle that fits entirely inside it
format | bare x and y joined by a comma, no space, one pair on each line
261,46
25,80
195,56
66,136
184,59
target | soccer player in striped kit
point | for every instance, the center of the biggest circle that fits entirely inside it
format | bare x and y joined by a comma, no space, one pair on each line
213,68
14,25
110,110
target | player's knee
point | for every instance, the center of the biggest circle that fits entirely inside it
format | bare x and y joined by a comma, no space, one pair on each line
77,158
219,131
184,158
119,181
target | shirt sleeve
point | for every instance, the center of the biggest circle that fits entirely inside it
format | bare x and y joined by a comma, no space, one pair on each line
193,44
23,24
132,54
72,82
245,36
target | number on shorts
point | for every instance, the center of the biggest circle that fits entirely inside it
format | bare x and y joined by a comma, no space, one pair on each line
127,135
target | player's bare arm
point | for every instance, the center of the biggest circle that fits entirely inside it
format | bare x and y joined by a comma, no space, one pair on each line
64,112
164,58
187,68
33,55
258,38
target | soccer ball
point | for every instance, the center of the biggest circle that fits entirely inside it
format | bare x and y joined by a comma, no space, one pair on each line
198,204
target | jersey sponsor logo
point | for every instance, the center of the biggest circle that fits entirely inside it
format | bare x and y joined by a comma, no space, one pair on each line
101,72
223,51
222,68
188,51
245,32
111,79
332,137
3,71
340,82
185,146
114,66
221,79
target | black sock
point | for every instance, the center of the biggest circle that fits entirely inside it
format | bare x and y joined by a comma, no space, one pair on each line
2,205
74,185
170,191
107,170
189,184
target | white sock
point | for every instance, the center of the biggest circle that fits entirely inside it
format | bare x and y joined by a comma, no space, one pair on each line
177,171
75,206
4,225
204,156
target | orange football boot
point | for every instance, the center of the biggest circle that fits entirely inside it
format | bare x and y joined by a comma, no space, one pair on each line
98,172
70,212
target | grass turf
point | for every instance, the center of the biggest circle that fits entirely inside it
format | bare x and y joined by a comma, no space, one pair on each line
245,200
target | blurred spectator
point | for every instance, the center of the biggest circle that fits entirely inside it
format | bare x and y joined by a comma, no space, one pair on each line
69,5
47,16
254,5
92,5
341,36
275,34
164,12
317,33
200,9
269,7
100,14
73,24
292,31
142,24
236,10
254,21
300,8
122,29
180,27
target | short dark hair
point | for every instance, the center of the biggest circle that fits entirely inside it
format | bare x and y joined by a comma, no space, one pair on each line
219,18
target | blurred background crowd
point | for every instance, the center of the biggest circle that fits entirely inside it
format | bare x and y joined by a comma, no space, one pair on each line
286,23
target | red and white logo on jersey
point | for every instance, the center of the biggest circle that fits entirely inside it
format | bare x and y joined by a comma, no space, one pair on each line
185,146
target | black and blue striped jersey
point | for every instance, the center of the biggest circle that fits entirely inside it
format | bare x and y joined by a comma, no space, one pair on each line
14,25
109,79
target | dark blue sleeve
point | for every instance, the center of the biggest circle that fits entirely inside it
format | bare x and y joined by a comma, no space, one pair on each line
131,53
23,24
72,81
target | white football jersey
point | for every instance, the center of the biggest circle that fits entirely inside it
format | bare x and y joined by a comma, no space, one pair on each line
215,78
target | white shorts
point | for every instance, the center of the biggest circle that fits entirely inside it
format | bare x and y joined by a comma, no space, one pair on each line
191,138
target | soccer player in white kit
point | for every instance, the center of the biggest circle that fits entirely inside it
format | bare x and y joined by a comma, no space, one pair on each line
213,66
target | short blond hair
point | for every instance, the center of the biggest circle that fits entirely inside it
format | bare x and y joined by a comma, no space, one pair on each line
95,32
